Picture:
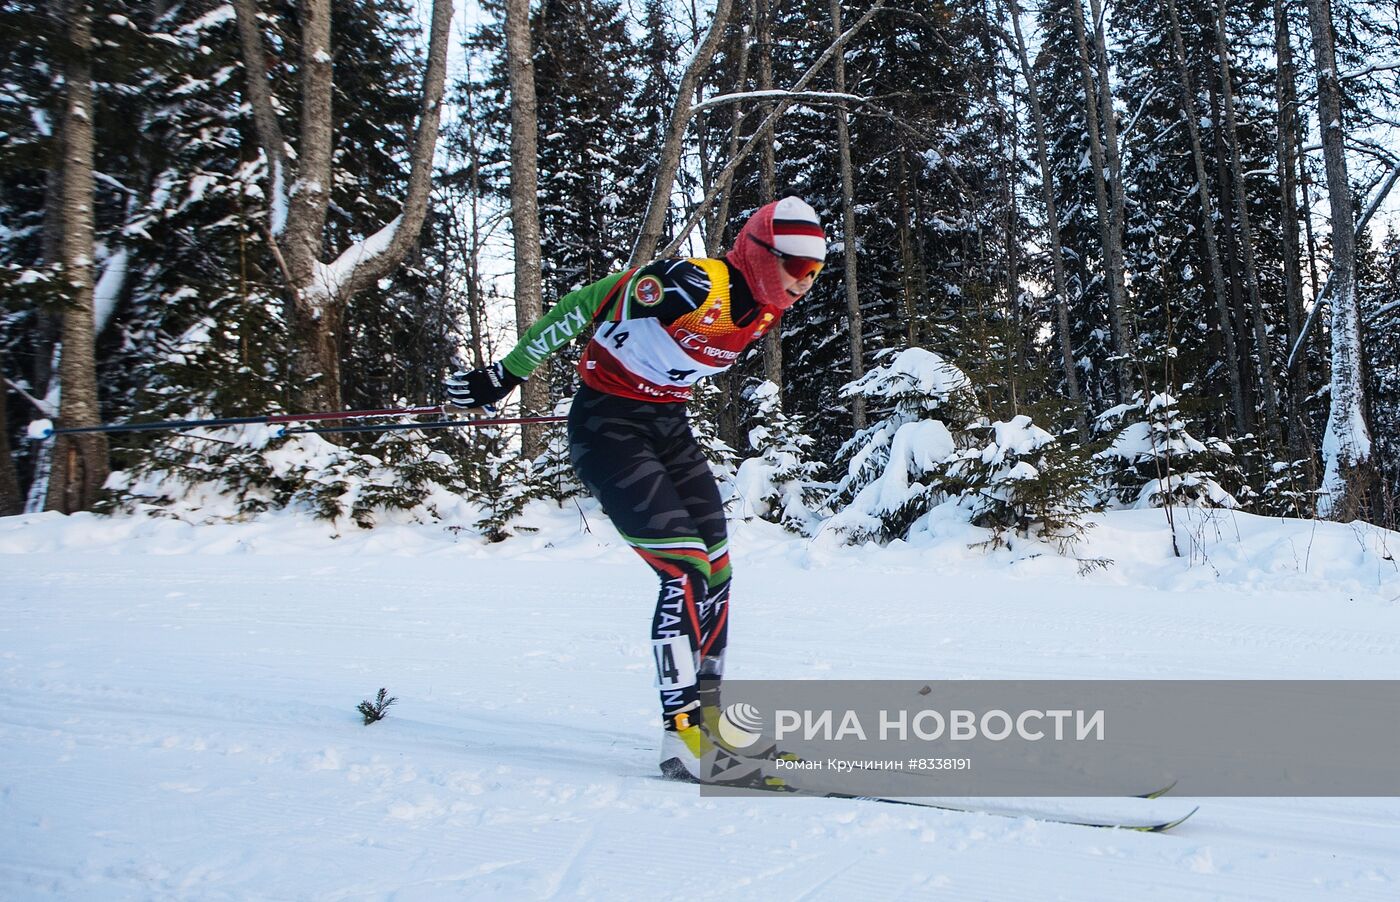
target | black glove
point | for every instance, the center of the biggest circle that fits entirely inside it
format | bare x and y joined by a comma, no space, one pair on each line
480,388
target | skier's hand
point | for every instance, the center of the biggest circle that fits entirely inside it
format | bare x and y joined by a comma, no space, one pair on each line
481,387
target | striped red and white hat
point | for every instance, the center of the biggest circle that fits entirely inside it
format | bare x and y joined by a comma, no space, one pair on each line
791,227
797,230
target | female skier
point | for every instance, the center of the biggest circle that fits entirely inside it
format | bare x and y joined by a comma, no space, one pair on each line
660,328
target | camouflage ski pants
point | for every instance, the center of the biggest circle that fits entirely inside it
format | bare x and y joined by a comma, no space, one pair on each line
641,461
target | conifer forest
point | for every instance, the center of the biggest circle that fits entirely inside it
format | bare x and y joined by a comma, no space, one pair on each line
1083,254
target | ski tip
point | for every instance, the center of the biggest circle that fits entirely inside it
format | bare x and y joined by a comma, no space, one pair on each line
1158,793
1168,825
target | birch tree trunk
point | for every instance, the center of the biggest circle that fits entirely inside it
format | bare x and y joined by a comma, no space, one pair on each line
1349,479
1217,272
524,207
1052,218
79,461
299,195
853,316
1251,275
1107,238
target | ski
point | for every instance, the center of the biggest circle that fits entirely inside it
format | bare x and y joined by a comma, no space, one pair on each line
1138,814
1147,814
1153,794
1146,796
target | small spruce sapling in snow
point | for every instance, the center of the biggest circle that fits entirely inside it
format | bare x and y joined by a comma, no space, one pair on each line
1021,480
551,476
704,422
497,486
780,484
1155,462
406,467
377,709
895,468
1283,484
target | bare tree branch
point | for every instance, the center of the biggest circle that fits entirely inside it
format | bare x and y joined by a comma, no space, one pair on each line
650,234
727,174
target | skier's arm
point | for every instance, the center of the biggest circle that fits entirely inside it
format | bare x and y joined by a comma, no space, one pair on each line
664,290
488,385
560,325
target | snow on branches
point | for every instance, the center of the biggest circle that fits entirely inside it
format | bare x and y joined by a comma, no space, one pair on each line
1154,461
780,484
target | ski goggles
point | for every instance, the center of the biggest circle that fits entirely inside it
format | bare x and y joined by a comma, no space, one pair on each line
797,267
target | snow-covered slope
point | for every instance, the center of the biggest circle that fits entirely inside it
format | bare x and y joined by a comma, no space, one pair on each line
179,709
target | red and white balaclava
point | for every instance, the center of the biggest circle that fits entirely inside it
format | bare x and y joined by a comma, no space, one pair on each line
791,226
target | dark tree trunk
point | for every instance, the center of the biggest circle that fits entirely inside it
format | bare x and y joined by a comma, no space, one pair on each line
1217,271
1251,275
854,321
1300,440
11,500
79,461
1057,259
1109,236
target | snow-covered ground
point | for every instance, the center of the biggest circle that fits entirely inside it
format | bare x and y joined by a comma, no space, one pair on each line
179,709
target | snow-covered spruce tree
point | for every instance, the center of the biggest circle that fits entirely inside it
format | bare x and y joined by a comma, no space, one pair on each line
236,473
198,329
1022,480
399,334
1267,483
496,480
780,484
1285,492
30,164
551,476
1153,461
1192,286
1061,91
920,406
33,218
407,471
723,458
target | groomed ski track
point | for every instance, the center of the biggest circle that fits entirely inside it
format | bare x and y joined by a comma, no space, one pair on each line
179,713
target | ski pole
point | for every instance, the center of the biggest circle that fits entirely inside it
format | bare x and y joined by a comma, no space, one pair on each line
43,429
439,424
